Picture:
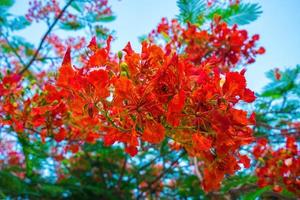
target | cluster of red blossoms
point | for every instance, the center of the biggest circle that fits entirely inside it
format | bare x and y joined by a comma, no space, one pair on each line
46,10
99,8
60,46
227,46
278,168
14,157
143,98
10,90
184,91
41,11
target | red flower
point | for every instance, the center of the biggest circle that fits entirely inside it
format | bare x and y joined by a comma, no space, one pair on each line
153,133
277,188
201,143
66,71
175,107
61,135
245,161
234,88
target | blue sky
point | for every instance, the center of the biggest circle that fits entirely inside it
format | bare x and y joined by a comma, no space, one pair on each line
278,26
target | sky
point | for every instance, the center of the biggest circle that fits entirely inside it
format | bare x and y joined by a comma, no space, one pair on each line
278,26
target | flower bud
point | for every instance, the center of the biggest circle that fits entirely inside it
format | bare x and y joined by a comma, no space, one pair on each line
120,55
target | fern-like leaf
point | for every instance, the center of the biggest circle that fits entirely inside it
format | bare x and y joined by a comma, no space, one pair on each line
244,14
191,10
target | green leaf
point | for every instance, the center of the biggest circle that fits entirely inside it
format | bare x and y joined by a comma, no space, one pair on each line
102,32
253,195
105,18
6,3
245,13
77,5
71,25
51,190
11,183
288,83
287,193
236,181
19,23
4,6
143,38
272,94
19,41
191,10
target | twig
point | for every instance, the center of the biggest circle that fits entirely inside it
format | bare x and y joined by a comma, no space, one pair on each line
122,172
162,173
105,114
198,173
44,37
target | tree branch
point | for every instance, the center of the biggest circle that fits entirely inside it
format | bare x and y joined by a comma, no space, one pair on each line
162,173
44,38
122,173
198,173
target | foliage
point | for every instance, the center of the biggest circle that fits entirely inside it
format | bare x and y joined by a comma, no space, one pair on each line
232,12
190,11
278,105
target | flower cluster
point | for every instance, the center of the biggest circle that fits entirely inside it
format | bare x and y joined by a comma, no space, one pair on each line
184,91
14,157
40,10
46,10
59,45
10,91
222,44
147,97
99,8
278,168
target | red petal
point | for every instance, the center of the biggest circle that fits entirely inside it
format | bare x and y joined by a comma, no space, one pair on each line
277,188
93,44
100,79
74,148
132,150
234,85
66,71
177,103
245,161
128,49
92,137
261,50
175,107
252,118
154,133
248,96
108,41
201,143
43,135
61,135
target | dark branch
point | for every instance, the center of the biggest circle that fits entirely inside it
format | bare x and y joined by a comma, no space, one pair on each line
44,37
167,169
162,174
122,172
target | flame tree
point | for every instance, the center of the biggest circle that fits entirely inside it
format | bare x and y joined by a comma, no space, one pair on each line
171,120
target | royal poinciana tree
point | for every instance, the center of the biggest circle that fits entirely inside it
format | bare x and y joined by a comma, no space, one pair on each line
174,121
